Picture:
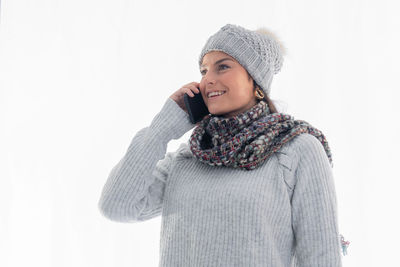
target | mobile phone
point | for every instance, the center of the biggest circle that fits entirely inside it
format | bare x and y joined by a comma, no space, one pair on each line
196,107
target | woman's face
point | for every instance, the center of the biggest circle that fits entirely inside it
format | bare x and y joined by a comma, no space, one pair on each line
229,76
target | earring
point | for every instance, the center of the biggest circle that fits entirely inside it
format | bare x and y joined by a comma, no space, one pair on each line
259,93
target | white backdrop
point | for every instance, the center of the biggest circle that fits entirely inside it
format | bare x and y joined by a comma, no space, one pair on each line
78,79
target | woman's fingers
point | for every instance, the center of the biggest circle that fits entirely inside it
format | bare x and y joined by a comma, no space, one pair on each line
189,92
190,88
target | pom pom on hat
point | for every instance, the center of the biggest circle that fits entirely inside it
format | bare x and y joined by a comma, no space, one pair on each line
277,52
268,32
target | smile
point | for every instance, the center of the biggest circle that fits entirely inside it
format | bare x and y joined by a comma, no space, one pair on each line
216,95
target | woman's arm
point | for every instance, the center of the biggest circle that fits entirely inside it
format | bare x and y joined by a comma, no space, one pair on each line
314,208
135,186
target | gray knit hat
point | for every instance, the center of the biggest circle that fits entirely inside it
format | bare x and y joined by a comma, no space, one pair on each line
259,52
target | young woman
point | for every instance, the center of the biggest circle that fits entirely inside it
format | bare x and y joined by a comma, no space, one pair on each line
251,187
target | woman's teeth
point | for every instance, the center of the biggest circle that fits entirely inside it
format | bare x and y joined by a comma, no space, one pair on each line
213,94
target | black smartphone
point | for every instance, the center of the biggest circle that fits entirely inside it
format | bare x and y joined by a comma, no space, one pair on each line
196,107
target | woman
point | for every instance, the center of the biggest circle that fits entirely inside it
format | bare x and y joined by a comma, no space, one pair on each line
251,187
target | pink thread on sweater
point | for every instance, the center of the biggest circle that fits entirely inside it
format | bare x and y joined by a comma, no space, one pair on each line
345,244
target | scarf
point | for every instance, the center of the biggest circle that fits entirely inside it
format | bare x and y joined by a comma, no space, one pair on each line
246,140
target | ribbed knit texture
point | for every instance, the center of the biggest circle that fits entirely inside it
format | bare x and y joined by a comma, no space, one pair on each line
281,214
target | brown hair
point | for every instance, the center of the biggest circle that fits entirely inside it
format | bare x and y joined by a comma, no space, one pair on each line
271,105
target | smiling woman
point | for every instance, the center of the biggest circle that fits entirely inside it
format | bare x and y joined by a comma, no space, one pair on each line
227,75
251,187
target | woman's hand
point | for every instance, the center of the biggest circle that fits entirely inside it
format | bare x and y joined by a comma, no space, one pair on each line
189,89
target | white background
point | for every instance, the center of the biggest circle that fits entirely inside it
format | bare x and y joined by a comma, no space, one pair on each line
78,79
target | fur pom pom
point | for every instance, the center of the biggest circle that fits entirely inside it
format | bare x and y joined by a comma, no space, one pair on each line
265,31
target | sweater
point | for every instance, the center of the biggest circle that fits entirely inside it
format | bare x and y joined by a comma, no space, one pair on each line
281,214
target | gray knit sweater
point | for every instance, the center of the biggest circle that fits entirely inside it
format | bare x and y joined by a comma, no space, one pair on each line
281,214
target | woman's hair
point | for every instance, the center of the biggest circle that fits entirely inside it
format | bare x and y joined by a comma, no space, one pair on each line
271,105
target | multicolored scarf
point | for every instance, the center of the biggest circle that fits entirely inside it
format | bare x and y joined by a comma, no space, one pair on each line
247,139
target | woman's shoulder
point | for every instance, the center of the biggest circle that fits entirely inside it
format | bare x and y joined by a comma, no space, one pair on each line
301,146
290,153
301,143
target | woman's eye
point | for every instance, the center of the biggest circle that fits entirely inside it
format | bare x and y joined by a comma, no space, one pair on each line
223,66
219,67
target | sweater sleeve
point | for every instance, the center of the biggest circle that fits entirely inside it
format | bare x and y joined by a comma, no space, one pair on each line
135,186
314,208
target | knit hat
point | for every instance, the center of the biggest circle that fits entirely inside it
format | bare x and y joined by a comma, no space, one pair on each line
259,52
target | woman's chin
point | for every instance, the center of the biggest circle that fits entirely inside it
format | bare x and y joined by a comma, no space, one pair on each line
216,111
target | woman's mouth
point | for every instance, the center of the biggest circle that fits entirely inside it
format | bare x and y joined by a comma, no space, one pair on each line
214,97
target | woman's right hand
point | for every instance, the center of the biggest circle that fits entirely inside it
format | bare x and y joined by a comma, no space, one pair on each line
187,88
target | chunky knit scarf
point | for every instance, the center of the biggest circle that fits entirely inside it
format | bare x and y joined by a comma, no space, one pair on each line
247,139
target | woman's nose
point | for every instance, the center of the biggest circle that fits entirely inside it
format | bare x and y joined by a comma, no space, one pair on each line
209,78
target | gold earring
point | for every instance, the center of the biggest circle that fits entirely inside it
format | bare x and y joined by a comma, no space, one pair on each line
259,93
